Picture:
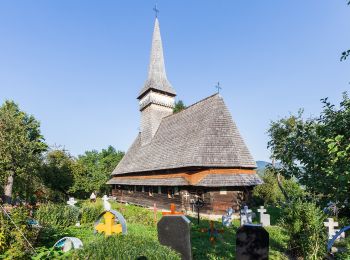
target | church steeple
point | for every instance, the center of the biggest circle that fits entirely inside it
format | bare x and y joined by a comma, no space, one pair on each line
157,79
157,97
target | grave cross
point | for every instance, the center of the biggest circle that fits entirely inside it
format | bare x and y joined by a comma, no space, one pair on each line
331,225
71,202
264,218
213,232
109,227
172,211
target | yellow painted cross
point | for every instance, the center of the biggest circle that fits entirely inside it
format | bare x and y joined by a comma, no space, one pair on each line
109,227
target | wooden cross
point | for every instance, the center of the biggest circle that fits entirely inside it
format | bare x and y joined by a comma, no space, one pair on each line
213,232
172,211
156,10
109,227
218,87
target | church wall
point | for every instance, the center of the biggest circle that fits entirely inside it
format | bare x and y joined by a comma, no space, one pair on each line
216,200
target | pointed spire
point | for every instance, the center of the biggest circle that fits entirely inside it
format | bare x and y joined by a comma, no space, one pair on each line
157,78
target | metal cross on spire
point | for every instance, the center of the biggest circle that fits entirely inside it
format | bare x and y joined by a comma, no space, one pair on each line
156,10
218,87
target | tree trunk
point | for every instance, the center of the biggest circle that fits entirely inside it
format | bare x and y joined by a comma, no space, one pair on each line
8,189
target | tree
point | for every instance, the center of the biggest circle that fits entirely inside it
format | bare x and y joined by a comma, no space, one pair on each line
316,151
93,169
57,171
21,147
179,106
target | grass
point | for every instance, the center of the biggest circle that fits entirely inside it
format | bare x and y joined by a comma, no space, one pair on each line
142,240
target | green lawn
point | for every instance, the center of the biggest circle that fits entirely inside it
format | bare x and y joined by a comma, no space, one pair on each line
142,232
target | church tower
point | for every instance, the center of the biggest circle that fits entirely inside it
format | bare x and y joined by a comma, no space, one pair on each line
157,97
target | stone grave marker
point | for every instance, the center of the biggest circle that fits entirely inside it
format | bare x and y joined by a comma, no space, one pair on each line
246,216
252,243
228,217
71,201
174,231
264,218
330,224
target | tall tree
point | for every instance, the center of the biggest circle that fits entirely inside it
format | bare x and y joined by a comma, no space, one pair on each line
21,146
93,169
316,151
57,171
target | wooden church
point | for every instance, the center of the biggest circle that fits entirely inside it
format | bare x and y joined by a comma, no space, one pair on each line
178,158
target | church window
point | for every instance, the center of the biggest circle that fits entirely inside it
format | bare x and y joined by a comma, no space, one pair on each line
176,191
143,189
159,190
223,191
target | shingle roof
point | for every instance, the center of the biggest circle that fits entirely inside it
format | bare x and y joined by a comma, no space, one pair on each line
157,79
203,135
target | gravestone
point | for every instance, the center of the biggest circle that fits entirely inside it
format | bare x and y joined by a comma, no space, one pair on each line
252,243
246,216
228,217
71,202
174,231
330,224
264,218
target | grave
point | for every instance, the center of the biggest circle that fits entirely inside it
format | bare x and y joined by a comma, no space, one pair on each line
252,243
264,218
247,216
212,232
228,217
110,224
174,231
68,243
72,202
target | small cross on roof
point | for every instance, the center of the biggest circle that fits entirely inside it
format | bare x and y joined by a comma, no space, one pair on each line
156,10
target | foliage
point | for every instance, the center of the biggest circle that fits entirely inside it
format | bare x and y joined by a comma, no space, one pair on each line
57,215
179,106
303,222
130,246
316,151
93,169
57,171
269,193
13,245
90,211
21,146
50,253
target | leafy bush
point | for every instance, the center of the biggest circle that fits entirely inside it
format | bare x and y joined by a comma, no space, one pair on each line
124,247
269,193
90,211
12,243
303,222
57,215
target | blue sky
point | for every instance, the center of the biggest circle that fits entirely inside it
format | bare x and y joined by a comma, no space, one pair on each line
77,66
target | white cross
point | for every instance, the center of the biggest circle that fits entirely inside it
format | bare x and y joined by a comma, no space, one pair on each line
331,225
186,195
71,201
261,210
106,204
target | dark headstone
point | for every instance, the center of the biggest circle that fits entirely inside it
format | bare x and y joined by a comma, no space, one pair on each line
252,243
174,231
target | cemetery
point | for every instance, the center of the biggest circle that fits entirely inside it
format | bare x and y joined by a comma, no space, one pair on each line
184,184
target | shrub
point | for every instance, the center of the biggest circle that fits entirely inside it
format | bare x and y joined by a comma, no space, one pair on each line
269,193
124,247
12,243
90,211
303,221
57,215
